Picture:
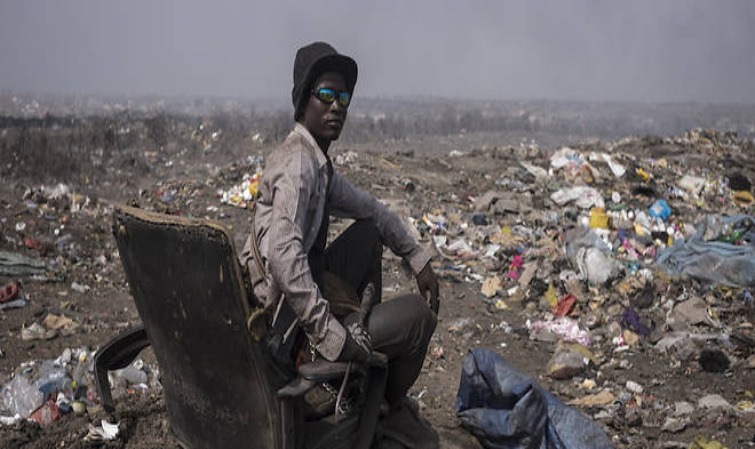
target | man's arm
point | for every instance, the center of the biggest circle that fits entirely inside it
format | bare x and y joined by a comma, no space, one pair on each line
350,202
292,181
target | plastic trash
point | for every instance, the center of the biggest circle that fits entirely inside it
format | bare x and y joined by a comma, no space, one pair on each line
408,186
565,157
617,169
21,397
692,184
743,199
537,172
598,218
583,196
660,209
563,328
32,386
587,251
77,375
105,432
719,262
506,409
51,378
634,387
46,414
631,320
595,266
132,375
702,443
242,194
645,176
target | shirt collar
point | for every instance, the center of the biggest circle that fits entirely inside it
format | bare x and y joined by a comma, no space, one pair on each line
321,159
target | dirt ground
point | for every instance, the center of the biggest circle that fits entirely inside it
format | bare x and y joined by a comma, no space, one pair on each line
177,180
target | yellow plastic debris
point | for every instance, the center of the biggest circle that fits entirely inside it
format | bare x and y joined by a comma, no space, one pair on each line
743,198
598,218
702,443
746,406
639,230
551,297
643,174
254,185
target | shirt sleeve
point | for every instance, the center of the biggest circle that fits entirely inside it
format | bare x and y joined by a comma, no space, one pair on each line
348,201
293,183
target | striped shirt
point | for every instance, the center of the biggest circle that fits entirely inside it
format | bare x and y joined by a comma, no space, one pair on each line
288,216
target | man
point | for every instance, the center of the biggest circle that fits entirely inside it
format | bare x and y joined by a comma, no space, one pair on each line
295,272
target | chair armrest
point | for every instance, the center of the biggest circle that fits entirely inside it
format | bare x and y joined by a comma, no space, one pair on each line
313,373
117,353
296,388
322,370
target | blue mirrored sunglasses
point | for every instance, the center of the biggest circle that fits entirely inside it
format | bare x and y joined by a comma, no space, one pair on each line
328,96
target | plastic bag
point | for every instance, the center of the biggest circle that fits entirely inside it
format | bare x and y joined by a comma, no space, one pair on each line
719,262
506,409
29,389
21,397
587,252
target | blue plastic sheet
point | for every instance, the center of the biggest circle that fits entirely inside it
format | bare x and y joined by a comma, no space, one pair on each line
506,409
715,261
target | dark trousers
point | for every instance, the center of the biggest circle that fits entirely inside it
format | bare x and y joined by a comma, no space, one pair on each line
400,327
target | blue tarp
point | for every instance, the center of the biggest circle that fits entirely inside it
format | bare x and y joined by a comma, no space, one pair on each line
715,261
506,409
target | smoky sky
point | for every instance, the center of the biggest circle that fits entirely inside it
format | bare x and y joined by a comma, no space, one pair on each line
639,50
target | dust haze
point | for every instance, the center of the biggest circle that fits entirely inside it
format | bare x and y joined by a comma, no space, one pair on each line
645,51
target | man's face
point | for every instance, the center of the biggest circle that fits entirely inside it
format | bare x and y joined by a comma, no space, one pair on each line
325,121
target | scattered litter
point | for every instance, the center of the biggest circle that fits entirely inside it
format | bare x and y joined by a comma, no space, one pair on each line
561,328
104,432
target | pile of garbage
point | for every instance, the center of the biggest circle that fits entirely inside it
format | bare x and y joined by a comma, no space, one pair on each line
626,267
45,391
609,253
243,194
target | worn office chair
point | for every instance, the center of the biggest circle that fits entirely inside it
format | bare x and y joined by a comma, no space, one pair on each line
219,383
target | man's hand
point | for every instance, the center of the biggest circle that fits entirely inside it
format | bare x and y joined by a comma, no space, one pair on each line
428,287
358,344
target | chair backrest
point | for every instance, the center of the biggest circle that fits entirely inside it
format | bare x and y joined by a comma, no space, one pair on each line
187,286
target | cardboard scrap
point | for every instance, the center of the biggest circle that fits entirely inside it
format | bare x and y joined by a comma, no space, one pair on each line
491,286
601,399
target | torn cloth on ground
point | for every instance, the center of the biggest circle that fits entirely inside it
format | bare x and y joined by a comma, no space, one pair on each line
506,409
15,264
719,262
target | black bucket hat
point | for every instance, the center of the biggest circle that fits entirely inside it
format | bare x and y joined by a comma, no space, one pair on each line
312,61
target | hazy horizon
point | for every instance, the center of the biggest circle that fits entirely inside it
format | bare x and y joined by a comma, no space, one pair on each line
675,51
